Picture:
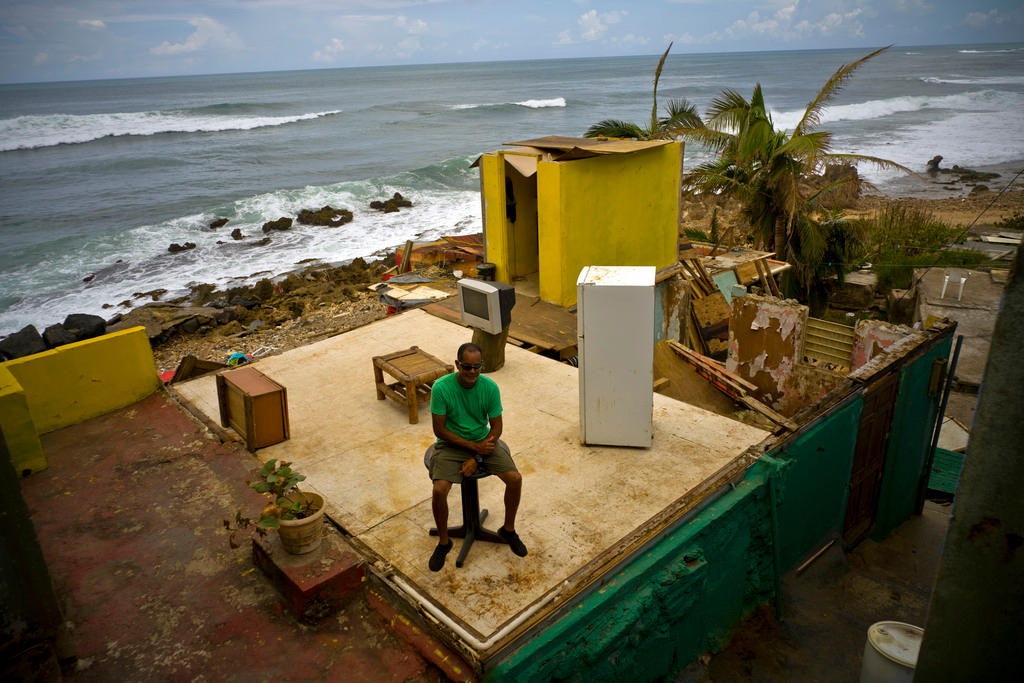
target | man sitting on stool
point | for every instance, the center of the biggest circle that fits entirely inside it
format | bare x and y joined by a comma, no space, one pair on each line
466,411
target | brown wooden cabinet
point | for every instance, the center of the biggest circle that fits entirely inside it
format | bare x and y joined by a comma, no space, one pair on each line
253,405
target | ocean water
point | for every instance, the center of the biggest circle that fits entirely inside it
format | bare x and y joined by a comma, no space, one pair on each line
99,177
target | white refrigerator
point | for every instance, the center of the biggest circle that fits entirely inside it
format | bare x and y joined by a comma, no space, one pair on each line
615,327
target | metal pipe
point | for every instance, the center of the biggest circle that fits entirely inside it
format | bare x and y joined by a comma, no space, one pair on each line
922,486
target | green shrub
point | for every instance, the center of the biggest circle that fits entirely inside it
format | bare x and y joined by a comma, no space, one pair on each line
1014,222
896,270
902,229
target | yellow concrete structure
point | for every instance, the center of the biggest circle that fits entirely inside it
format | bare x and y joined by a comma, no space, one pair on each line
554,205
16,425
72,383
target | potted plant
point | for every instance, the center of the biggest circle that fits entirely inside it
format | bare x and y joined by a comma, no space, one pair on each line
297,515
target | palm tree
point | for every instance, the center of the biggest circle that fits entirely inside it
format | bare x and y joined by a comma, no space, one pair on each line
678,114
766,169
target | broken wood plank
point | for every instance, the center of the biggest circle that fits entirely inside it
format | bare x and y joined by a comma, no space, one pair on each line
405,265
711,364
667,272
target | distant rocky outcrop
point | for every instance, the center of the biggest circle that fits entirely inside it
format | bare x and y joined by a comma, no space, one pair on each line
845,193
219,223
326,216
236,234
176,248
933,164
282,223
390,205
24,342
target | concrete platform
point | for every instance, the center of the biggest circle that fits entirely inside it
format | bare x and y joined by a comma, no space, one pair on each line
579,502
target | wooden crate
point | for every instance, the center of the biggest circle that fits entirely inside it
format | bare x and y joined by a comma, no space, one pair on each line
253,405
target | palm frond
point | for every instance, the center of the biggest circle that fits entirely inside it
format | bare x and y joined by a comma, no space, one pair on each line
877,162
727,111
812,114
615,128
657,77
680,113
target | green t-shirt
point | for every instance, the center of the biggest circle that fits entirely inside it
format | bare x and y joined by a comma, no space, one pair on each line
467,411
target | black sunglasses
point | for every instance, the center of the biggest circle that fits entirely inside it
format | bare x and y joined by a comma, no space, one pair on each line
469,366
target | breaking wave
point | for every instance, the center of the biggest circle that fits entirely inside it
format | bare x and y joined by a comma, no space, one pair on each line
983,80
981,100
987,52
32,132
530,104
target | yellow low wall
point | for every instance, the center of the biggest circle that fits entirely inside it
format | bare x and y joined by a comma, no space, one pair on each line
72,383
16,424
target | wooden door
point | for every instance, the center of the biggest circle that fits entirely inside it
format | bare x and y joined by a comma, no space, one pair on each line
869,458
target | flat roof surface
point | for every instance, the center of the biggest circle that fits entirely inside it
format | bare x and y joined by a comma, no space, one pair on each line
578,502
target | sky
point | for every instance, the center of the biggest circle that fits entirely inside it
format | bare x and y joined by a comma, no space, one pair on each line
47,40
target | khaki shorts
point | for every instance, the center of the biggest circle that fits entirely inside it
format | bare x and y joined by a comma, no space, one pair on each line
446,461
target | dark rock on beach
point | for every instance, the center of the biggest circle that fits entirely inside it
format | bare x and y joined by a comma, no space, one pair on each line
933,164
261,243
56,335
282,223
236,234
85,326
175,247
219,223
326,216
24,342
391,205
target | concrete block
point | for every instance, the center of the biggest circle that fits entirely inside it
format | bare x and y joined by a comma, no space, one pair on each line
872,337
316,584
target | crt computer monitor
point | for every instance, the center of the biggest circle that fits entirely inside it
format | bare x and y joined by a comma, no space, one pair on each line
487,306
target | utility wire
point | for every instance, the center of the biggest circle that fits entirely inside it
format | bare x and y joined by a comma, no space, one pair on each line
965,230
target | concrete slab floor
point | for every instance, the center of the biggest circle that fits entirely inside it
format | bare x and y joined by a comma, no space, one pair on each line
828,608
129,514
578,501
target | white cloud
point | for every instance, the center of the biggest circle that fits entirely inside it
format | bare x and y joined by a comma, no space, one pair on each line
630,39
330,52
414,27
19,31
564,38
594,25
780,24
980,19
94,24
209,34
407,47
96,56
41,58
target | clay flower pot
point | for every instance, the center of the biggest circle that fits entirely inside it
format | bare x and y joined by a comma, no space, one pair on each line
301,536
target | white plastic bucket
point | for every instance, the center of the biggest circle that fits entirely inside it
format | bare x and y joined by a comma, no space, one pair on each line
890,654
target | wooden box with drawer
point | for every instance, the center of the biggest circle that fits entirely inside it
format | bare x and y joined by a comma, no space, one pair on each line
254,405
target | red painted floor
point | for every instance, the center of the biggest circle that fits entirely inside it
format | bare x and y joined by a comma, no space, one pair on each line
129,515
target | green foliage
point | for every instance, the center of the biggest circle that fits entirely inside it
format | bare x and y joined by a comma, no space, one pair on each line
900,228
716,231
678,114
896,270
1014,222
696,235
279,483
903,238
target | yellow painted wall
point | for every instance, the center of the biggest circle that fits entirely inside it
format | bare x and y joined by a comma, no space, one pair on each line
72,383
523,238
610,210
18,429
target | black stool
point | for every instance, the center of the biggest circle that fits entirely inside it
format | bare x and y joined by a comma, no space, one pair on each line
473,517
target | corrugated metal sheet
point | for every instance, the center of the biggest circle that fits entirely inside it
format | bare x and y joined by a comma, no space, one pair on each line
828,342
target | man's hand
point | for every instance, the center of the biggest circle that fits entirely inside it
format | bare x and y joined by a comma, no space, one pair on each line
486,446
468,468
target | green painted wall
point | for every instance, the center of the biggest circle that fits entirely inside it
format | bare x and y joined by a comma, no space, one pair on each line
814,486
687,592
679,599
909,440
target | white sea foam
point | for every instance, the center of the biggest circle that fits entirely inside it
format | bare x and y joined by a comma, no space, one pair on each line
987,52
145,264
30,132
981,100
531,104
982,80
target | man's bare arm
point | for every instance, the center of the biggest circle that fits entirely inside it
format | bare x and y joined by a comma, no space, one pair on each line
442,432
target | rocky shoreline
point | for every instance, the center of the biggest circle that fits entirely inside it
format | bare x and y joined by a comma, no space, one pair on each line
320,300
